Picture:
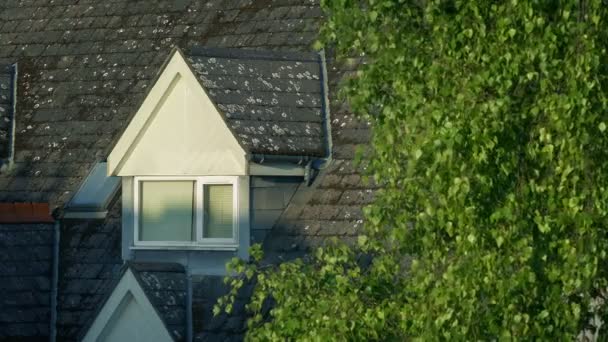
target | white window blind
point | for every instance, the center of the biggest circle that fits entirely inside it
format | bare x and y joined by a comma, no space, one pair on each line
218,211
166,211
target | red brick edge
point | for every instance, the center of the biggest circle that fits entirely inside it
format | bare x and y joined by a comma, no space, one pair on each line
25,213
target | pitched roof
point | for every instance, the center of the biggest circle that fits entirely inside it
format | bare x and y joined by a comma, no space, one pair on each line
90,265
165,285
273,101
158,291
85,68
26,259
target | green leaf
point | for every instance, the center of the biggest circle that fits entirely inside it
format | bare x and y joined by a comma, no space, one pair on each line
373,15
362,240
489,172
499,241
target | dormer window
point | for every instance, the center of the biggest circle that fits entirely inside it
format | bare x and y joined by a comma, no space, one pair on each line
212,122
186,211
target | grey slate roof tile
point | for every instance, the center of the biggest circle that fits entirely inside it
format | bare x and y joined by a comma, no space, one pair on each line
208,327
332,206
165,286
26,254
89,266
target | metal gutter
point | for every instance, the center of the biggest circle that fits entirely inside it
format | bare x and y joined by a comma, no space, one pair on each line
14,114
55,283
308,176
325,162
276,169
277,165
7,163
271,158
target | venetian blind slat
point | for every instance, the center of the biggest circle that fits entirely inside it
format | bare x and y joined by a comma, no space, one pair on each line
218,213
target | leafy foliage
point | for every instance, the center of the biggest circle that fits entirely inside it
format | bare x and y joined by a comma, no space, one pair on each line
325,297
490,141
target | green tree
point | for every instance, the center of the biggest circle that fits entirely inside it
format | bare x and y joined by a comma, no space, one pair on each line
490,141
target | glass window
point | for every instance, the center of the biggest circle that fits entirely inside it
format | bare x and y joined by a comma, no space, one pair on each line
218,211
186,211
166,211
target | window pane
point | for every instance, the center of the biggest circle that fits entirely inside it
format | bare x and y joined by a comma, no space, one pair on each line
166,211
218,211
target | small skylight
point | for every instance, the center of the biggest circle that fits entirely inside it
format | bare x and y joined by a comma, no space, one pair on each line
95,192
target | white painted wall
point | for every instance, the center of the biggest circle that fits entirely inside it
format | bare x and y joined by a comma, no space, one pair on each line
177,131
129,324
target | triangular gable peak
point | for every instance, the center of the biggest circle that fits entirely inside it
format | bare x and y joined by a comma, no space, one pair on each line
128,315
177,131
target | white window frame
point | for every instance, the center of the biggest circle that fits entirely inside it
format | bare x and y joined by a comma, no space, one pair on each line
199,241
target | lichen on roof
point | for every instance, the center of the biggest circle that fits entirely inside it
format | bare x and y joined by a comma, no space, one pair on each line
165,285
86,66
272,101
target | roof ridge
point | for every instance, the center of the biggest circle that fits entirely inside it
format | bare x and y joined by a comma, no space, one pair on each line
254,54
168,267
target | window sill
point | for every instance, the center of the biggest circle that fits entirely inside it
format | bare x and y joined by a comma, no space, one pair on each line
188,247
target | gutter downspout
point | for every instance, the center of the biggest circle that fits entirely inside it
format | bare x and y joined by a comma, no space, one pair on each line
189,327
324,163
13,119
308,173
7,164
55,283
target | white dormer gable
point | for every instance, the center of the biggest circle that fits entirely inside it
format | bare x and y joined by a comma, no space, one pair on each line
127,315
177,131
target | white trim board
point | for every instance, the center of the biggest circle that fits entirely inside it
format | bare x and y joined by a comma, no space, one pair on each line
177,131
128,313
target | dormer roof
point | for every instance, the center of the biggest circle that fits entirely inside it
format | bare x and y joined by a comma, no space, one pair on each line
272,101
209,111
